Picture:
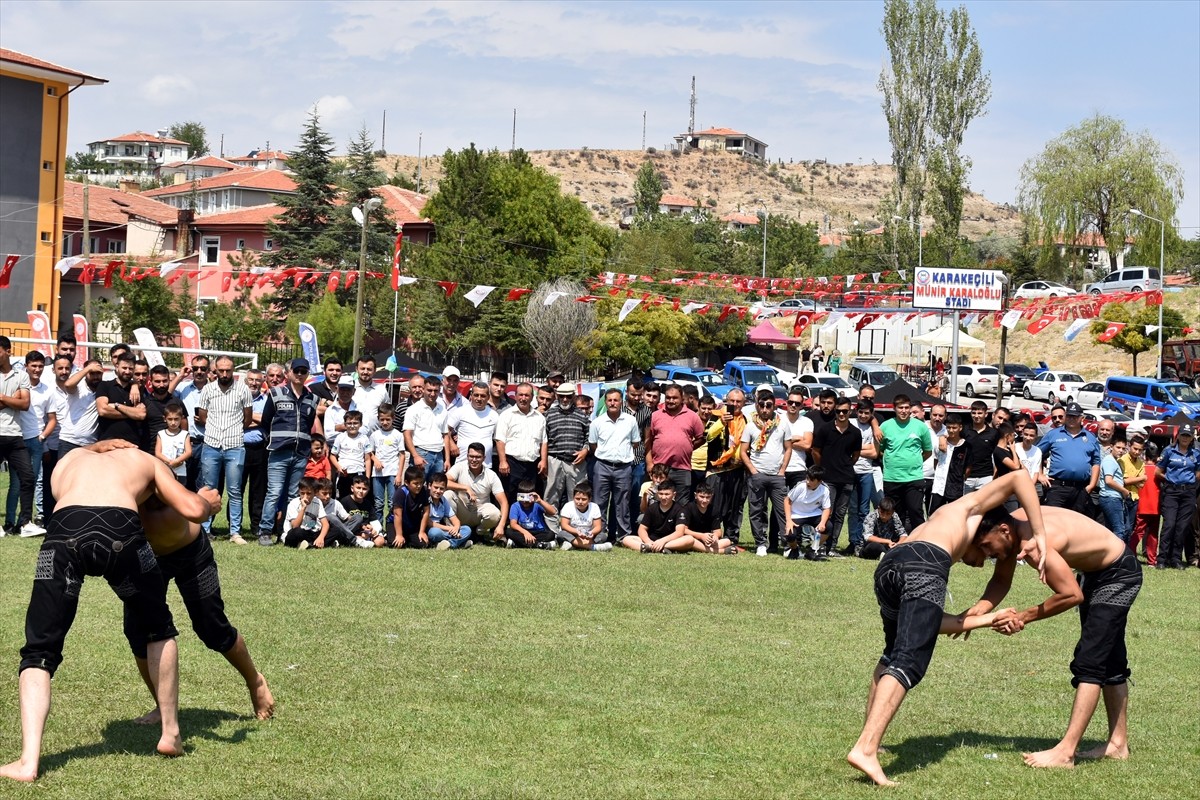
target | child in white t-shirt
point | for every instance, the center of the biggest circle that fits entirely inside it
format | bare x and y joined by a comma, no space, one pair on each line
581,523
351,452
173,446
388,445
306,522
807,505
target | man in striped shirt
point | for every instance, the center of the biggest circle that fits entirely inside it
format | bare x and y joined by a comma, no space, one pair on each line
224,409
566,446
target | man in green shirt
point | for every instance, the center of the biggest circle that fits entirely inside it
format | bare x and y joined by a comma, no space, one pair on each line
905,444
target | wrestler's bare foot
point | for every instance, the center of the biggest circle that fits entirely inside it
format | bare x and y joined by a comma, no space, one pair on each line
1050,758
170,746
19,771
869,766
260,696
152,717
1106,750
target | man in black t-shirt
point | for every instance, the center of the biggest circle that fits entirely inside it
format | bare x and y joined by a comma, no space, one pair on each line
119,408
156,401
823,416
661,530
982,438
835,448
700,521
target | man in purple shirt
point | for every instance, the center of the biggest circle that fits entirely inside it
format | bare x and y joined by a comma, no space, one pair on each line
675,432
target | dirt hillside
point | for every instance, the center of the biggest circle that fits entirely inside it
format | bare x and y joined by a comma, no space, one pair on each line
834,196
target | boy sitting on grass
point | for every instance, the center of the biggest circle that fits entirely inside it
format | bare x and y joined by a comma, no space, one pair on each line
527,520
440,524
702,524
364,522
305,518
806,508
408,511
660,530
882,530
341,530
581,523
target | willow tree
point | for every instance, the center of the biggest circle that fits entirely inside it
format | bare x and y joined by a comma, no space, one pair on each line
1086,181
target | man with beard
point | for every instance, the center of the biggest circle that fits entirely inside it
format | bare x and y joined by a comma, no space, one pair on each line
155,402
119,404
224,411
188,395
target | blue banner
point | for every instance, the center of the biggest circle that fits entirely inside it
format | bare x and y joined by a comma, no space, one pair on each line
308,345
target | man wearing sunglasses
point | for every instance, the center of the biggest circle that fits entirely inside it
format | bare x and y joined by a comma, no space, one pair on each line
836,448
287,418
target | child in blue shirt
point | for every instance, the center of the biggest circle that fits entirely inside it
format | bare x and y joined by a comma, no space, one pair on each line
440,524
408,512
527,520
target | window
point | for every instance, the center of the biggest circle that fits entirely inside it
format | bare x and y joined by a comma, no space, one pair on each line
48,166
241,244
210,250
47,237
94,244
52,91
268,244
116,246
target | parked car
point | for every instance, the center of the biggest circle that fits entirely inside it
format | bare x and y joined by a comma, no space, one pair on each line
1036,289
747,374
1091,395
1016,374
810,392
875,373
1121,420
827,380
710,382
789,306
1053,387
1129,279
977,379
1154,398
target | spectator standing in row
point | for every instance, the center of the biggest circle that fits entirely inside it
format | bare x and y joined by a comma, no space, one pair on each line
498,397
387,443
766,449
14,400
77,414
333,421
673,434
287,422
905,444
189,395
1145,526
225,412
424,430
612,438
474,421
1113,493
728,474
836,448
713,444
37,425
451,398
1072,464
155,400
951,462
800,444
1133,474
119,406
521,443
367,395
325,389
864,493
982,438
566,447
254,470
1177,476
636,406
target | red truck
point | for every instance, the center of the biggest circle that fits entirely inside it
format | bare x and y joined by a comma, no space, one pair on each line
1181,361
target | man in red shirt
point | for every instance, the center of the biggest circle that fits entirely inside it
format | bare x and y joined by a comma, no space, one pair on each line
675,432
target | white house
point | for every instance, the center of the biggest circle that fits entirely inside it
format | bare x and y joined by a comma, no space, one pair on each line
137,154
725,139
195,169
262,159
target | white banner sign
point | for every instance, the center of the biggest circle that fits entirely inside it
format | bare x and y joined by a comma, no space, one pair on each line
958,289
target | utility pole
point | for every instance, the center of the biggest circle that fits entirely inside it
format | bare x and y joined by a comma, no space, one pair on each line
419,136
514,139
643,131
383,134
87,253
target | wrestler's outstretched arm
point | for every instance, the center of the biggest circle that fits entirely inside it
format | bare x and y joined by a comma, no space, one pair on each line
1067,594
192,506
961,623
1020,484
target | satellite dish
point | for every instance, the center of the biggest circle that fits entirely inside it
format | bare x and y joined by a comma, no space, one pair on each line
357,214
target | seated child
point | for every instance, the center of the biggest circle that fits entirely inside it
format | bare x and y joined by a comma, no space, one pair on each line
408,511
305,518
318,459
702,524
527,520
364,522
882,530
341,534
440,524
660,530
580,522
806,509
648,493
351,452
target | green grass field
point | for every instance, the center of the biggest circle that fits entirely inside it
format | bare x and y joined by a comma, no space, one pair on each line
494,673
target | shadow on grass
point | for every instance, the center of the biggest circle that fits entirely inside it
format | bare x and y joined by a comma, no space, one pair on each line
127,736
921,751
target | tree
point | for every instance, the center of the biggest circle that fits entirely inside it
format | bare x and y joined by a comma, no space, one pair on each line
1134,338
146,303
335,323
792,247
1086,180
83,161
557,331
194,134
359,177
647,336
933,87
647,191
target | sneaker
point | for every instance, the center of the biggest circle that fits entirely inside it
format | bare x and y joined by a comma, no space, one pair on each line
603,547
566,546
761,551
303,545
645,547
467,545
821,557
265,539
363,543
509,543
237,539
831,553
444,544
29,530
792,553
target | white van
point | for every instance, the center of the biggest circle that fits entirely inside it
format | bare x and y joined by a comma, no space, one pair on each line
1129,279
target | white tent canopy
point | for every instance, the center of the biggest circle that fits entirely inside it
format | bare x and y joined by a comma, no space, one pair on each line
943,337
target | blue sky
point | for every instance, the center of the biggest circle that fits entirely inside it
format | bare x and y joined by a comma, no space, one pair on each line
801,77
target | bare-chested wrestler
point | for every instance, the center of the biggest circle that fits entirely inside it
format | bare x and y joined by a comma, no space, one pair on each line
95,530
910,586
1111,580
187,557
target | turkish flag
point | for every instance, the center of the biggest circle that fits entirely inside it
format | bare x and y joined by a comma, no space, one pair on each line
226,282
1040,324
332,284
1154,298
396,261
1109,332
803,320
9,262
864,321
448,287
725,312
516,294
351,276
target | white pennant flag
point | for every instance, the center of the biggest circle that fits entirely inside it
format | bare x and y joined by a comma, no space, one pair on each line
969,320
478,294
822,279
849,281
1011,319
903,274
166,268
690,307
628,306
258,270
875,277
406,280
550,298
832,320
1074,328
65,264
1150,329
609,277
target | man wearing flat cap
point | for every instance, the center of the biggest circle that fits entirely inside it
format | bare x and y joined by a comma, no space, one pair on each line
566,444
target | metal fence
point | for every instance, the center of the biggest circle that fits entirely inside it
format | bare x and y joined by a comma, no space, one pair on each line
268,351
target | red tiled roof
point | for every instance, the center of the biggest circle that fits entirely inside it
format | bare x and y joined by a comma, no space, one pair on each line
13,57
272,180
406,205
256,216
676,200
205,161
744,219
141,136
263,155
1091,239
114,207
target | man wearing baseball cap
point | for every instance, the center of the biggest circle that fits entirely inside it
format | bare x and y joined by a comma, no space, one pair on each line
287,421
1072,458
451,398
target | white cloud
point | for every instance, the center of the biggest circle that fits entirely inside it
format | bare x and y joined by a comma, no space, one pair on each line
167,89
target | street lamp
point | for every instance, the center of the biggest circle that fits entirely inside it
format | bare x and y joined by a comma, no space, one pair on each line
362,217
763,214
1162,239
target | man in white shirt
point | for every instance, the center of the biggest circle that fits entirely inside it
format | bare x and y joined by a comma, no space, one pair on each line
611,438
225,412
801,443
521,444
471,422
451,398
334,421
14,400
766,451
367,396
866,472
478,495
37,424
424,430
